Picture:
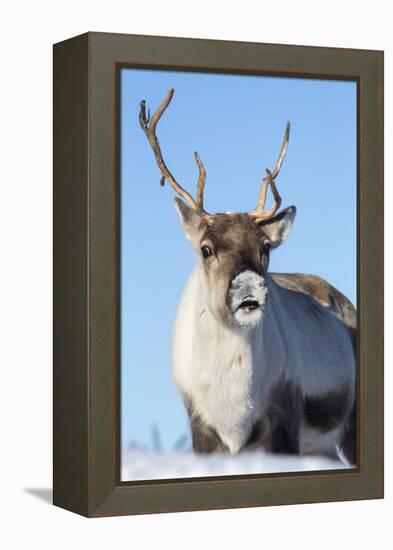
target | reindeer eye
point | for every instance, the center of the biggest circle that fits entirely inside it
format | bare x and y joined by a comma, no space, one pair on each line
206,251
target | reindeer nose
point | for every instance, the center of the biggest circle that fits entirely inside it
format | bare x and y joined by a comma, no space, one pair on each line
247,279
247,295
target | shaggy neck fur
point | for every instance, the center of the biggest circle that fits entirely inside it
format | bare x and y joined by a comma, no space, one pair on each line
222,369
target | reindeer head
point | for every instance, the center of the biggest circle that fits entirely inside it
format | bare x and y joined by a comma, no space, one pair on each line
232,249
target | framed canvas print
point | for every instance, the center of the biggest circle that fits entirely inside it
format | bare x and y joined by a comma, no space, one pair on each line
218,274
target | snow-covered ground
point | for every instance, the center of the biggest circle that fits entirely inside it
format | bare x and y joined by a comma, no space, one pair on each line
138,464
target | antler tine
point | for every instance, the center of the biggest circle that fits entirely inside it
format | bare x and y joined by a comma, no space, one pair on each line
201,181
283,151
150,131
259,213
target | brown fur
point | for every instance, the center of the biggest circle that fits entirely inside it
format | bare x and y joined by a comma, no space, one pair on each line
205,439
327,411
321,291
285,414
234,239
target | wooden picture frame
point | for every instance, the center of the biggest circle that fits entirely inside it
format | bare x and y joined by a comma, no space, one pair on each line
86,274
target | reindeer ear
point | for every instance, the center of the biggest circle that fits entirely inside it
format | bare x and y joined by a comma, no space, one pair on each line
192,222
278,228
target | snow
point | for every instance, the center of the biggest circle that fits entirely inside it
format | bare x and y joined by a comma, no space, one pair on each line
140,464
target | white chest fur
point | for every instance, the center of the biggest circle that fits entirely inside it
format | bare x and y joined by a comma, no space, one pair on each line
221,370
224,383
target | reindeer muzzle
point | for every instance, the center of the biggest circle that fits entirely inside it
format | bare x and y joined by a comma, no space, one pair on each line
247,297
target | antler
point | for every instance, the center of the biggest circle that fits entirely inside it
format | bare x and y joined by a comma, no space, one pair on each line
259,213
149,127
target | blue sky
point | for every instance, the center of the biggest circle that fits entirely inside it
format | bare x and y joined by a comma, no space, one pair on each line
236,123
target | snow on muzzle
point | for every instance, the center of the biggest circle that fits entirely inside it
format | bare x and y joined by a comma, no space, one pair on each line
247,297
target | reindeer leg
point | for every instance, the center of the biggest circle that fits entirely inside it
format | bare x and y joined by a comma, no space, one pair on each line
204,438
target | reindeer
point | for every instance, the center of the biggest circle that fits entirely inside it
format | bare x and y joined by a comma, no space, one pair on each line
259,358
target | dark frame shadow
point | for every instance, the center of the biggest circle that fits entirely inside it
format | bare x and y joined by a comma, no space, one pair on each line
44,494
